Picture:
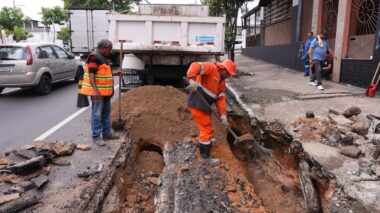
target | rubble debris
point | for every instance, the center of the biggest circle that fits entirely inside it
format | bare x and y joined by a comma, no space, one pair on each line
351,111
308,189
360,126
332,133
91,171
26,186
40,180
347,140
83,147
61,162
350,151
334,112
63,148
9,197
19,204
27,167
24,153
339,120
310,114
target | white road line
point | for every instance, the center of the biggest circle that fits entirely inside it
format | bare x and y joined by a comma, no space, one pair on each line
64,122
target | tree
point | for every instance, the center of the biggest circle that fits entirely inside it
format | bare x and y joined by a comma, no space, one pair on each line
230,8
121,6
64,34
11,18
55,15
20,33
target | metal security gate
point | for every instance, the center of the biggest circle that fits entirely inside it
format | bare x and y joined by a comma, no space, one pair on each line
329,17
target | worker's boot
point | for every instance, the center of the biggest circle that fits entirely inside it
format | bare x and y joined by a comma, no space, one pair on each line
205,154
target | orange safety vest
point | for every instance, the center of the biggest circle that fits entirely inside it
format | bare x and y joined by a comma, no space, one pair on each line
211,86
103,78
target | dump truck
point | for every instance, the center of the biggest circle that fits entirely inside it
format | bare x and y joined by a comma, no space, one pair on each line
166,38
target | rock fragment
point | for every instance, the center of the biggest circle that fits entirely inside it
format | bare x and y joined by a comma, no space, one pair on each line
351,111
83,147
339,120
350,151
332,133
40,180
63,148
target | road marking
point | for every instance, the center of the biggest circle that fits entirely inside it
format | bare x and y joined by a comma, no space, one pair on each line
64,122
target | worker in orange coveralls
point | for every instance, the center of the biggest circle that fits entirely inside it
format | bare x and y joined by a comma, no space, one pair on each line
208,79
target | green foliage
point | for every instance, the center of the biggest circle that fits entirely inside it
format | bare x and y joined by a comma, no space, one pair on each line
230,9
121,6
11,18
64,34
55,15
20,33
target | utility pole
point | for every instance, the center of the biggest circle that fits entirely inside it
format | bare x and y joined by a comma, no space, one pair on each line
14,4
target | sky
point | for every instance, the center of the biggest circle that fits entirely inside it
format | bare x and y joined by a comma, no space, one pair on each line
32,8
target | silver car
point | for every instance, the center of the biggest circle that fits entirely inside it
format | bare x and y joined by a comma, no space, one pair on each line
36,65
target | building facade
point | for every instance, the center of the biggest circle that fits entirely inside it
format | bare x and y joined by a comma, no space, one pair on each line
275,31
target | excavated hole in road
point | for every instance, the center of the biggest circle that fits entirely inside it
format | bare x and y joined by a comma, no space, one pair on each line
138,181
275,180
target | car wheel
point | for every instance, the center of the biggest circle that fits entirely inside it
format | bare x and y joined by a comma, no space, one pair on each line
78,74
1,89
44,86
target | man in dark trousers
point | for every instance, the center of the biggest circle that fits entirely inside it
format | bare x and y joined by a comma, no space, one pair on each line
98,83
317,54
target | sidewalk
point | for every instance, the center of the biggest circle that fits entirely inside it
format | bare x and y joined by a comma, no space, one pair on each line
273,93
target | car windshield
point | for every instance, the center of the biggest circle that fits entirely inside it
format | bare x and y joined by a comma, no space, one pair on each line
12,53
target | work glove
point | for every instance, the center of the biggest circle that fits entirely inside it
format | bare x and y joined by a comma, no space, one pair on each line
224,120
193,86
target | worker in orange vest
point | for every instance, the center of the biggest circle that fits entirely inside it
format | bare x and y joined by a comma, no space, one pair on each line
208,79
98,83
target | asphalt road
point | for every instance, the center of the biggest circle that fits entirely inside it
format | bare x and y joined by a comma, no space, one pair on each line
26,116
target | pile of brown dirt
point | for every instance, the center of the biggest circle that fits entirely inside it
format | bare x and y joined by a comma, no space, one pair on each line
156,113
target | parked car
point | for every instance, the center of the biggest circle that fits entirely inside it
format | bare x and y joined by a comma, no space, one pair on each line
36,65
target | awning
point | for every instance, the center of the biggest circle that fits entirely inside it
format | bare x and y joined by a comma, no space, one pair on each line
264,3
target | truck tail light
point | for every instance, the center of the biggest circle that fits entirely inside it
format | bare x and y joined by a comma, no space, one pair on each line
29,56
175,43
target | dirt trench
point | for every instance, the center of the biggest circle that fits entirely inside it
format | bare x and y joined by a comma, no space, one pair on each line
164,174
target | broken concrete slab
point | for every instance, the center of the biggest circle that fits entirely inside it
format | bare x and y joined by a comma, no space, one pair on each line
19,204
350,151
7,198
63,148
26,154
83,147
40,180
27,167
339,120
61,162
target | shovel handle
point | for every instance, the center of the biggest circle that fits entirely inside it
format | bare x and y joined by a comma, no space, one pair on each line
374,76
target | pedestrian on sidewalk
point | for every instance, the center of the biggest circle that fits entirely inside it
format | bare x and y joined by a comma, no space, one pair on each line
305,57
208,80
317,54
98,83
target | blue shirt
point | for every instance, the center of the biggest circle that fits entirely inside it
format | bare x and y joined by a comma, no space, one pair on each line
308,43
318,52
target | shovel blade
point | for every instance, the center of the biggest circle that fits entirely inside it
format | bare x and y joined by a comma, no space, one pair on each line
371,90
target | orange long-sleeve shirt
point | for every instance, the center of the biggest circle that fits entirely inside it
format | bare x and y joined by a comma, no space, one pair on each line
210,82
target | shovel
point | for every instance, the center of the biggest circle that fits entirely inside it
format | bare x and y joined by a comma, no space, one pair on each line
373,86
246,138
120,123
